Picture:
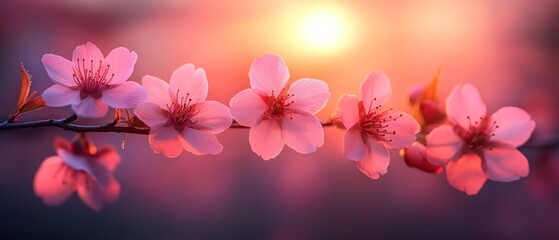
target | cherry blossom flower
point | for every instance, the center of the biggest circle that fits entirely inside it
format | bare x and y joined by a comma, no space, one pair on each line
179,115
415,156
372,130
78,166
277,115
475,147
90,81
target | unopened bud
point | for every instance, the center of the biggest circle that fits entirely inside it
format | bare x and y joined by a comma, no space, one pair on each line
431,112
415,156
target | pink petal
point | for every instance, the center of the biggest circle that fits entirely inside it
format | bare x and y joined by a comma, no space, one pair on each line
466,174
126,95
166,140
376,161
515,126
74,161
303,133
87,52
265,139
308,95
443,145
48,183
404,127
212,117
101,174
121,63
59,95
505,164
107,157
375,90
200,142
189,83
157,90
151,114
268,74
464,106
354,146
348,110
90,107
59,69
91,196
112,191
247,107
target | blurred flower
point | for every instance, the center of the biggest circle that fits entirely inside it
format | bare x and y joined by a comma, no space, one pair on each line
415,156
179,115
91,82
80,167
277,116
370,130
475,147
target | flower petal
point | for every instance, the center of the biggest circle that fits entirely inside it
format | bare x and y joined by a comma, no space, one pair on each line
92,196
151,114
515,126
87,52
212,117
49,182
404,127
505,164
166,140
59,69
464,105
354,147
60,95
308,95
443,145
303,133
101,175
268,74
74,161
466,174
126,95
348,110
247,107
201,142
375,90
112,191
107,157
121,63
90,107
376,161
265,139
157,90
189,83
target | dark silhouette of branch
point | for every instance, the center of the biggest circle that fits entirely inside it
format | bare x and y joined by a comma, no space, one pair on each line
67,124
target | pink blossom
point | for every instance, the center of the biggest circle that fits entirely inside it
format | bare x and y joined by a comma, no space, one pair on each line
277,115
80,167
179,115
90,81
372,130
474,147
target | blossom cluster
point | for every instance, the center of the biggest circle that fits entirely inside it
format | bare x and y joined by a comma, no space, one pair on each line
470,145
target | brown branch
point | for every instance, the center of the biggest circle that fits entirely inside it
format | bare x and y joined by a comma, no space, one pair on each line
67,124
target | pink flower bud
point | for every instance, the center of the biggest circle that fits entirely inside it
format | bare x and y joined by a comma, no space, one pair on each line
415,156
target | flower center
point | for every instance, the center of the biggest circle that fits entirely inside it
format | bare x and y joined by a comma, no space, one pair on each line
181,112
479,133
278,106
375,123
90,81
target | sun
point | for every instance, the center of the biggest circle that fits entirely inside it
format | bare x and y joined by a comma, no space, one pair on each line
324,29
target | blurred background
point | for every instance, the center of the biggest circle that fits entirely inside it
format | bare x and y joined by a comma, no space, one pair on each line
508,49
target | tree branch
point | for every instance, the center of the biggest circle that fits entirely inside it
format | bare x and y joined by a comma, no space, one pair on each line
67,124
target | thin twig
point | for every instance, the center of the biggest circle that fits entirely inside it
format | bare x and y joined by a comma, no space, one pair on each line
67,124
